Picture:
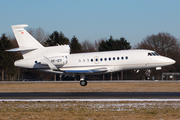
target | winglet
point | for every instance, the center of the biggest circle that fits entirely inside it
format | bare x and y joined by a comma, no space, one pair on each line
52,66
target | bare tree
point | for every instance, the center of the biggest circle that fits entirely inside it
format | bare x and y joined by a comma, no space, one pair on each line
39,34
97,43
165,44
88,46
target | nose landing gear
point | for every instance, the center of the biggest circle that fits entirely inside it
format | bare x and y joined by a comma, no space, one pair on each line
147,73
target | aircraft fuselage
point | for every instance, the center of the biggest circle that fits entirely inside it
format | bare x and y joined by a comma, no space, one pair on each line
112,60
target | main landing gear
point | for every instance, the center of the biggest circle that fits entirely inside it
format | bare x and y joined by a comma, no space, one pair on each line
83,82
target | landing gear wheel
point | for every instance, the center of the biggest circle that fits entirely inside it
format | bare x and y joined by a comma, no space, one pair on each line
147,77
83,82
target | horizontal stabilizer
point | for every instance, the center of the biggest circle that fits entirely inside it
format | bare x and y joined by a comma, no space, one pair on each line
20,49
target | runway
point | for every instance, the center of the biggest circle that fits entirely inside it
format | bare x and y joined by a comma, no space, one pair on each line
91,95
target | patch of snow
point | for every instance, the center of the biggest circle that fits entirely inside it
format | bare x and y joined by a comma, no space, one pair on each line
89,100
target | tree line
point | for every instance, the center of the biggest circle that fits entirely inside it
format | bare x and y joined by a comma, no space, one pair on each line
163,43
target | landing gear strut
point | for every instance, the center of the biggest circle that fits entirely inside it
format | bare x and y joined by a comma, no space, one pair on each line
83,82
148,71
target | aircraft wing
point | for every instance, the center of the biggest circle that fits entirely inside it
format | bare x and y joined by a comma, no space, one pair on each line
97,70
82,71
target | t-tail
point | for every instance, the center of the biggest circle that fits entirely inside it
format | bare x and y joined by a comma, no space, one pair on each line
34,54
28,45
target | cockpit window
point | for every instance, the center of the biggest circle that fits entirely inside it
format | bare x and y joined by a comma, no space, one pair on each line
157,54
149,54
153,54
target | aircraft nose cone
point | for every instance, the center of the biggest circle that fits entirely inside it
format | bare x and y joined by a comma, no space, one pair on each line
165,61
170,61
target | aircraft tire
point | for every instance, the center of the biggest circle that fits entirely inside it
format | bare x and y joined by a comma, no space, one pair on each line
83,82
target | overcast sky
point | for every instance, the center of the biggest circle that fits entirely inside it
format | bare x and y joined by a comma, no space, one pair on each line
94,19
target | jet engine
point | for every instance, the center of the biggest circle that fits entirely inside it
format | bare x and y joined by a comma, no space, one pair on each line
57,61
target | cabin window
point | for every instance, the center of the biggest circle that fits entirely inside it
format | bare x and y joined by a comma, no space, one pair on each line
79,60
105,59
126,57
91,60
83,60
35,61
117,58
96,60
122,58
109,59
101,59
113,58
87,60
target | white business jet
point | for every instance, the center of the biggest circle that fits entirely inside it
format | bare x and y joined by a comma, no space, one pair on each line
57,59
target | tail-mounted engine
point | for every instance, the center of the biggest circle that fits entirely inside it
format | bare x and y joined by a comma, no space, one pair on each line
57,61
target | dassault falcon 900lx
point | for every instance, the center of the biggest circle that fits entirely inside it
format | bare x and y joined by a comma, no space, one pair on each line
57,59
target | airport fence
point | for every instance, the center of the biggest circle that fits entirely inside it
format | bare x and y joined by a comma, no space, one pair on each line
170,76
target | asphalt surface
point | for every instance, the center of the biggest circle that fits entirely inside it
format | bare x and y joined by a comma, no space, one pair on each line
91,95
89,81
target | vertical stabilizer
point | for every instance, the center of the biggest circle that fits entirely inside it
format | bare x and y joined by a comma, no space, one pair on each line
23,38
28,45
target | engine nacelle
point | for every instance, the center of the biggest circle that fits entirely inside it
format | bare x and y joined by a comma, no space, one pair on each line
58,60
